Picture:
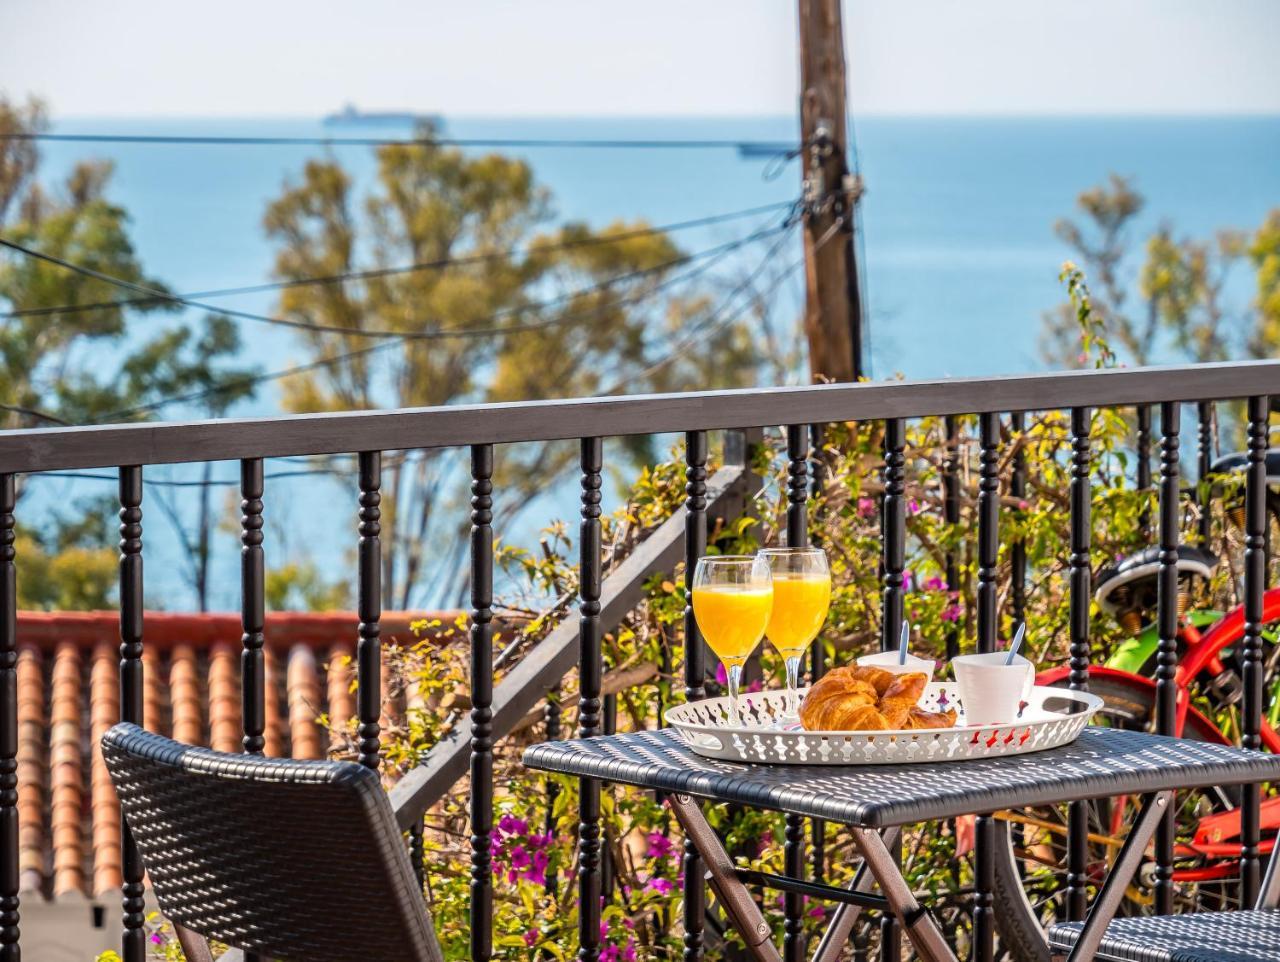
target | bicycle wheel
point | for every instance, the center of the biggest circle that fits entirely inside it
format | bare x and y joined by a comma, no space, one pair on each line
1031,850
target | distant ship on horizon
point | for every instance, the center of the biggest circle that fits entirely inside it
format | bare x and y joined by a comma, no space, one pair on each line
352,116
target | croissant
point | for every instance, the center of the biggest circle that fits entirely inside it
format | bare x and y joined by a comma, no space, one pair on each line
878,678
833,701
901,696
919,718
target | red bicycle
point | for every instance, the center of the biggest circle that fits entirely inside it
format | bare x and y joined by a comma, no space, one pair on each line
1031,852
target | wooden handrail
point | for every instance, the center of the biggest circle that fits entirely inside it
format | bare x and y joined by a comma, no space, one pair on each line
52,449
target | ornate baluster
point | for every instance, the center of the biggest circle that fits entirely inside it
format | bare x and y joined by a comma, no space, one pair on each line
1018,550
1143,478
818,652
988,561
1167,624
9,902
1204,458
369,603
893,515
1081,590
1255,583
133,945
695,546
551,716
951,515
416,852
252,610
482,702
797,537
590,671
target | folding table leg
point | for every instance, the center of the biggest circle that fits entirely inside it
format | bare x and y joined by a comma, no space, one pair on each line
733,895
846,916
916,922
1104,906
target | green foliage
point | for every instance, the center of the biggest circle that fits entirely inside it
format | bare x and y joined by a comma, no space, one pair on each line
299,586
1182,282
65,566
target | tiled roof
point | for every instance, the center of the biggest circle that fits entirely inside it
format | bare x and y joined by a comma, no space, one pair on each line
68,695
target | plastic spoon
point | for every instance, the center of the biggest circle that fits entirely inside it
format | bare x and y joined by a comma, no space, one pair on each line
1017,643
902,645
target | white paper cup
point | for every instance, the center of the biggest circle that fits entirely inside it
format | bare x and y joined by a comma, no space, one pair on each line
991,691
888,660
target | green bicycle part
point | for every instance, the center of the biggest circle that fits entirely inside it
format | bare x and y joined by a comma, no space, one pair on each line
1134,654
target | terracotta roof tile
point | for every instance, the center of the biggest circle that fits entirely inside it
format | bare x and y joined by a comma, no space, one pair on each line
185,695
104,711
66,772
303,690
225,732
32,769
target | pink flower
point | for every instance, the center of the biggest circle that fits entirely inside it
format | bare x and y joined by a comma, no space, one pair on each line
1024,505
722,677
935,584
952,613
531,937
660,885
866,507
756,685
659,846
817,912
907,580
157,938
913,506
629,953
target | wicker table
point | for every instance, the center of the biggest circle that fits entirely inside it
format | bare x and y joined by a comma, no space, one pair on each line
874,801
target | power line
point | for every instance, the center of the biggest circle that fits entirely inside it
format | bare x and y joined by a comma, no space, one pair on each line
377,333
321,363
438,264
742,146
714,321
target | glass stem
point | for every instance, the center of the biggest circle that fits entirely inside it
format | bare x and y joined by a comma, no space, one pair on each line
793,685
735,685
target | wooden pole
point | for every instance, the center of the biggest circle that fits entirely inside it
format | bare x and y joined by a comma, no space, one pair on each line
833,305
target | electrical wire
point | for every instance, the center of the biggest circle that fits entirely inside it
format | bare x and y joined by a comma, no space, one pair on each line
438,264
252,381
742,146
376,333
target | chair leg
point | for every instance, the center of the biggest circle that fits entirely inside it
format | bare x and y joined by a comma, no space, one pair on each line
195,947
1269,894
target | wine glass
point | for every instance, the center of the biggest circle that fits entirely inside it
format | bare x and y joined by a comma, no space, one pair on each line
801,597
732,596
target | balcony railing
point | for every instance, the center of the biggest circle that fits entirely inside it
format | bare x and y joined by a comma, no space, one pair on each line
802,410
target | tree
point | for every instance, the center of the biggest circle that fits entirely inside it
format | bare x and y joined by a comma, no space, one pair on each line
569,311
1182,310
52,371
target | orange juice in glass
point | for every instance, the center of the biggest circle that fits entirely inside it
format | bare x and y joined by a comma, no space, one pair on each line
732,598
801,597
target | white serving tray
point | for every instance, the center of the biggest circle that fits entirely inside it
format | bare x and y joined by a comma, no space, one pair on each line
709,730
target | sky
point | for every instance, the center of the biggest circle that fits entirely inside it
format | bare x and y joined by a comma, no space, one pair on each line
141,58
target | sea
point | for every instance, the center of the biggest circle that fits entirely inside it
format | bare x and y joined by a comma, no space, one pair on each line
959,256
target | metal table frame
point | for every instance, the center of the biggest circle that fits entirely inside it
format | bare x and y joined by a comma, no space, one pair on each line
1102,762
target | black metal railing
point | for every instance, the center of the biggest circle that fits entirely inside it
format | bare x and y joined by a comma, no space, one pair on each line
804,410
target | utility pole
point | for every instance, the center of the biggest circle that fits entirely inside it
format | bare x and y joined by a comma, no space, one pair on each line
833,302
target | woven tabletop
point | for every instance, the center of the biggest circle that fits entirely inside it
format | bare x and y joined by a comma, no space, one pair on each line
1101,762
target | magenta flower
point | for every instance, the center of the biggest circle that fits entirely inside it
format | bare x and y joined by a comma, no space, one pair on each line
722,678
660,885
756,685
952,613
157,938
935,584
659,846
629,953
908,580
866,507
520,858
531,937
913,506
817,912
512,825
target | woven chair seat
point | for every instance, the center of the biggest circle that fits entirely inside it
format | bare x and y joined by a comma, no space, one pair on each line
1201,937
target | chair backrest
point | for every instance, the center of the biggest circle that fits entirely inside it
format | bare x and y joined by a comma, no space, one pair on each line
297,860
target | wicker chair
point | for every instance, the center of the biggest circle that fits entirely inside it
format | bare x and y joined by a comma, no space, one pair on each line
296,860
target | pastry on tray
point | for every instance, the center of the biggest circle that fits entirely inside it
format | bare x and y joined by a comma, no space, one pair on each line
869,699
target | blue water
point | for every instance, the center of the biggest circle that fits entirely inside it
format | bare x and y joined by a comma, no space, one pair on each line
960,256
